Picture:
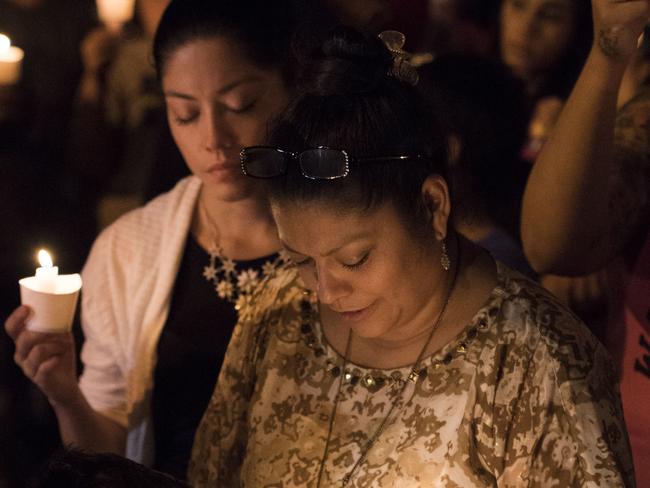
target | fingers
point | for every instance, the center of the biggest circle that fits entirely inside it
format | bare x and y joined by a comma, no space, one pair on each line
27,340
15,323
41,354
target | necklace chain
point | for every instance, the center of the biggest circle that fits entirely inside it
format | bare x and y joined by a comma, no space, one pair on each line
413,378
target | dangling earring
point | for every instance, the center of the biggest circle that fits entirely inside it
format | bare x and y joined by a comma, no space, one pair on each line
445,262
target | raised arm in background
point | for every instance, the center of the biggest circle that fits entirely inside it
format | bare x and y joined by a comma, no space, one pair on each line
587,192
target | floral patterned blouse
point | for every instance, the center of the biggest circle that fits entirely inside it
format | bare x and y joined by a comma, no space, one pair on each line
525,396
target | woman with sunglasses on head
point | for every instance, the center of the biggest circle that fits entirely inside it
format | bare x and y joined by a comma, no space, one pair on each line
408,357
162,285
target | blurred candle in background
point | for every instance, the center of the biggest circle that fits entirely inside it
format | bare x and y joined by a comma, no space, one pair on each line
11,62
115,13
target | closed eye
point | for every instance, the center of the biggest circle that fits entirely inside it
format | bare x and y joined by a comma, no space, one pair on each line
185,120
359,263
303,263
243,109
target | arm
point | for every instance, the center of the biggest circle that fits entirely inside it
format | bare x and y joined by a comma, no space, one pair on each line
81,426
49,361
564,425
576,215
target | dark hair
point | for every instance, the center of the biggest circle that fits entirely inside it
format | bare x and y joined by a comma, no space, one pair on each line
73,468
262,29
485,106
348,100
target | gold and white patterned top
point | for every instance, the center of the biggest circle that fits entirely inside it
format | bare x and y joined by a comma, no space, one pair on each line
525,396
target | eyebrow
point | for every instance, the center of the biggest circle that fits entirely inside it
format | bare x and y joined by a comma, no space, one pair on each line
221,91
350,240
555,3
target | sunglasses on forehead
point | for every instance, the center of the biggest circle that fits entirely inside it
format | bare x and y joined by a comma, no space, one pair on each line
320,163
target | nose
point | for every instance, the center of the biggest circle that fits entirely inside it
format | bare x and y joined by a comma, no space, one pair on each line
218,134
329,287
527,27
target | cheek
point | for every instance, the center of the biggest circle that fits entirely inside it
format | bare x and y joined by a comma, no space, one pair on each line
185,139
507,23
551,44
251,131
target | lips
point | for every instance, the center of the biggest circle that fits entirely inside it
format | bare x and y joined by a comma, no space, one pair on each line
222,167
356,315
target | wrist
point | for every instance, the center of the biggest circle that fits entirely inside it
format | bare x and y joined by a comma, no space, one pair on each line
613,48
606,71
71,399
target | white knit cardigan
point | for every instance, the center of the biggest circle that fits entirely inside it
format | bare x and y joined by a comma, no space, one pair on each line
128,281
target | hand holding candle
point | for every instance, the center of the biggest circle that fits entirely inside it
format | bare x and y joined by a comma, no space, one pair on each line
11,61
52,297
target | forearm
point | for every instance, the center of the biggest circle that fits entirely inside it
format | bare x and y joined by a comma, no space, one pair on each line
83,427
566,202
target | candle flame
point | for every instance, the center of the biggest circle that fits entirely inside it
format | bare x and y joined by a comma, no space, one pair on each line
5,43
44,258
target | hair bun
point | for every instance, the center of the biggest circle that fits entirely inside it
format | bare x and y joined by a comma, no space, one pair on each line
347,62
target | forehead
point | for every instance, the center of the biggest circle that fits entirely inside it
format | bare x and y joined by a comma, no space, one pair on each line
317,229
217,60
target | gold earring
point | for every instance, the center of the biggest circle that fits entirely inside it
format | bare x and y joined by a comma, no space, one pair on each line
445,262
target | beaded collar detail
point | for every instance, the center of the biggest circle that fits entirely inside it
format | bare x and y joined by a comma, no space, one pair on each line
374,379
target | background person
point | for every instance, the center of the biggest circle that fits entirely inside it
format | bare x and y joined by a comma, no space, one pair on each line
119,141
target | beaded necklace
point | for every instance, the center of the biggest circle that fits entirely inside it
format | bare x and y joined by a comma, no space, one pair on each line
413,378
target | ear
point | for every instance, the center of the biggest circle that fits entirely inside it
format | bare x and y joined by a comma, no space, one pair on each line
435,194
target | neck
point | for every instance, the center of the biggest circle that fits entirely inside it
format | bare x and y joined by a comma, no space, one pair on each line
242,228
476,229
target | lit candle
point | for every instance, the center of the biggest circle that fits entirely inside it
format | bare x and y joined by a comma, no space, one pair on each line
51,296
114,13
11,62
46,275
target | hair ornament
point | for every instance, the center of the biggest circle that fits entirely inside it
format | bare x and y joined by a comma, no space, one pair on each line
405,64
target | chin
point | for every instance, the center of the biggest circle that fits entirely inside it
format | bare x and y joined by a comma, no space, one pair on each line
369,330
230,189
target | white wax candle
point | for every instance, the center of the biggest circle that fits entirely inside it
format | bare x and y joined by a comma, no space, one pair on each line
46,275
114,13
11,62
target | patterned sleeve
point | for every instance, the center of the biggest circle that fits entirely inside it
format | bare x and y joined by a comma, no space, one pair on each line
221,438
564,427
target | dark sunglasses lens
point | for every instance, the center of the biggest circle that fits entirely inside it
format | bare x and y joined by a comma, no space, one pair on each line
323,164
264,162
